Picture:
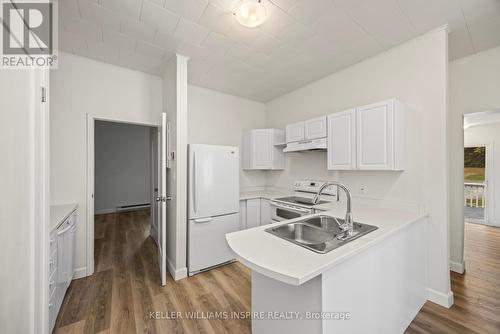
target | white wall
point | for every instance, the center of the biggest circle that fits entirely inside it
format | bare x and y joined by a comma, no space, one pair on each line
175,105
474,83
219,119
489,135
416,73
122,165
17,201
82,86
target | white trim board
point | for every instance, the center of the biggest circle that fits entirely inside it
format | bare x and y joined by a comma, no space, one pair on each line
457,267
445,300
38,310
176,274
80,272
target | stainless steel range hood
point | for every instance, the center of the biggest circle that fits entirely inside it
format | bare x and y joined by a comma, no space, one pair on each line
306,145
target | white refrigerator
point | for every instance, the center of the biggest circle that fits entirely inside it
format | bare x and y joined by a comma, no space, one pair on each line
213,204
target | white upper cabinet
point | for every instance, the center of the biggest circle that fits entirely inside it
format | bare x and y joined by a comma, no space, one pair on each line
262,149
295,132
342,140
380,136
311,129
315,128
371,137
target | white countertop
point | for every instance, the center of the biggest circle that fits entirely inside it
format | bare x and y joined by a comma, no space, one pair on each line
284,261
59,213
264,193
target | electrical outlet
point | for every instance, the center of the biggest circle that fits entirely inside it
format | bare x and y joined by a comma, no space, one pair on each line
362,190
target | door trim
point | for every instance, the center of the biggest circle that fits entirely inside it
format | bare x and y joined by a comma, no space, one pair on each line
38,311
89,210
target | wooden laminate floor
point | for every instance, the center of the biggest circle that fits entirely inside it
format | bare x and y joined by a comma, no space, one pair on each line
119,297
125,288
476,293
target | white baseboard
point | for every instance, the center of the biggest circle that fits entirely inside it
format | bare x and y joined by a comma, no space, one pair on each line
176,274
445,300
80,273
458,267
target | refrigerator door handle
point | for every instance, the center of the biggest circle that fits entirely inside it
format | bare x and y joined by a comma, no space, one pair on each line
194,183
203,220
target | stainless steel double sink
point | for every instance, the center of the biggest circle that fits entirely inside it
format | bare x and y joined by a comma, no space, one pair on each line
320,234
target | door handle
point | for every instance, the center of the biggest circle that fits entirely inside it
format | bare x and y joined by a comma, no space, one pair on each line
194,183
203,220
163,199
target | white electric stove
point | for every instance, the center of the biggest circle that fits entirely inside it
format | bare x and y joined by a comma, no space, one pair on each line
290,207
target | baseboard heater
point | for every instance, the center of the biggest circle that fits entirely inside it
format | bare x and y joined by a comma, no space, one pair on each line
132,207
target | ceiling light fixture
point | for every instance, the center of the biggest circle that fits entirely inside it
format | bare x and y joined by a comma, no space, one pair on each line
250,13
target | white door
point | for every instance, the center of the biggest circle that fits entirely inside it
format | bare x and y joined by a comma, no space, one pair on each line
154,180
214,188
342,140
162,201
295,132
262,148
315,128
375,136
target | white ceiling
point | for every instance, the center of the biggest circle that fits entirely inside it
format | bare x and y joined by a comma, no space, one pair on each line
301,41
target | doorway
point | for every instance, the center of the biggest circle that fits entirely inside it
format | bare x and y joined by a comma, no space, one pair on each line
122,180
475,183
481,155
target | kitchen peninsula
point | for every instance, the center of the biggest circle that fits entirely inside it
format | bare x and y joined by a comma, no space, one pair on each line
376,281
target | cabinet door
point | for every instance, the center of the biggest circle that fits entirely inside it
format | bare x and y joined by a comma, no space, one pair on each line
315,128
375,136
253,212
342,140
265,212
262,149
243,214
295,132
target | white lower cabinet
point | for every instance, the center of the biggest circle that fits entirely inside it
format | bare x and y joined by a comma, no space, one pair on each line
253,212
243,214
265,212
61,265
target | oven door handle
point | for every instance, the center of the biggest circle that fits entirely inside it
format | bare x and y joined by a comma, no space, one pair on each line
286,207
